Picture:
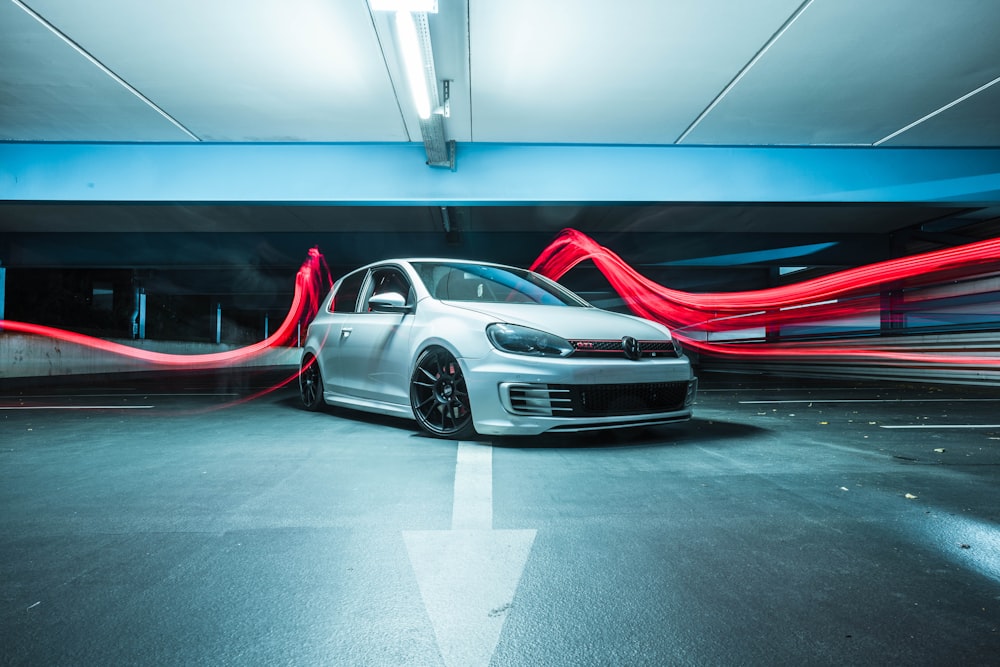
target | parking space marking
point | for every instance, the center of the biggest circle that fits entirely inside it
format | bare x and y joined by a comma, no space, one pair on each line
768,390
872,400
921,426
468,575
473,506
143,394
75,407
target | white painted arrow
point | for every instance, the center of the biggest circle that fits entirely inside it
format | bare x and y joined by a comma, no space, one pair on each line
468,575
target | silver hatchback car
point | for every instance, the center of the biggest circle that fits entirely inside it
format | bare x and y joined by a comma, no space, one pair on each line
466,347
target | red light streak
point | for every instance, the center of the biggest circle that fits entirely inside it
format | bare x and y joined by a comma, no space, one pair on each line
852,293
311,284
572,247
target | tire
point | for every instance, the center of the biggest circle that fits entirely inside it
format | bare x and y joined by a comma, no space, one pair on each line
311,384
439,395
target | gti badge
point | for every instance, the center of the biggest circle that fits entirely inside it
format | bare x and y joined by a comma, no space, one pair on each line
631,347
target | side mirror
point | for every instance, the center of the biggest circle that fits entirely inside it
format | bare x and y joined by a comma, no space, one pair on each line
388,302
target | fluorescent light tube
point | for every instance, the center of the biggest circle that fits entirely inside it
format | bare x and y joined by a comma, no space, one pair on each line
413,62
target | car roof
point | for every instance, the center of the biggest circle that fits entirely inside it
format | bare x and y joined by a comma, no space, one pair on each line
453,260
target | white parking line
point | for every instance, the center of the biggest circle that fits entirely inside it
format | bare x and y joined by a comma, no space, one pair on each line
15,397
468,576
473,506
770,390
875,400
920,426
75,407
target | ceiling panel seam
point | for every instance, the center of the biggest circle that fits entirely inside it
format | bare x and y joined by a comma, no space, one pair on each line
937,112
104,68
746,68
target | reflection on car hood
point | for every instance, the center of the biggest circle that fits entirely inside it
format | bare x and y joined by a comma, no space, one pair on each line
567,322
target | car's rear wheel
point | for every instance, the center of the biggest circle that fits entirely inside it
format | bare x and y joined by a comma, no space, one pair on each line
311,384
439,395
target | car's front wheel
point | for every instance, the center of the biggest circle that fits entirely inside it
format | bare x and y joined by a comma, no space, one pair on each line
311,384
439,395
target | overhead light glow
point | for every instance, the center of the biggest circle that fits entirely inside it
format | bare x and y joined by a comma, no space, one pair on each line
409,45
429,6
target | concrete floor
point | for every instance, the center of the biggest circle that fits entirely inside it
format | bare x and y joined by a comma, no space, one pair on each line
792,522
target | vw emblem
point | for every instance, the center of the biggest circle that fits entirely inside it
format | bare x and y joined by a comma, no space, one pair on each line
631,348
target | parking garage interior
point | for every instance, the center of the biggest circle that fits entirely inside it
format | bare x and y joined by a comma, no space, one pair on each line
166,169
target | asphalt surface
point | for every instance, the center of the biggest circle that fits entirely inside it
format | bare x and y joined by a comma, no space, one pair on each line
168,520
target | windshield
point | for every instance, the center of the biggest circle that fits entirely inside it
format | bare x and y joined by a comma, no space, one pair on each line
457,281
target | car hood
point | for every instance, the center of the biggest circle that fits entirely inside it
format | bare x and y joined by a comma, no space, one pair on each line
568,322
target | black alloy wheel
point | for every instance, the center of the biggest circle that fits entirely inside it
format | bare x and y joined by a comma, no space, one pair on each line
311,384
439,396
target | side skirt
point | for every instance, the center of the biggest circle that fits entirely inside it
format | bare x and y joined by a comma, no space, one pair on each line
368,405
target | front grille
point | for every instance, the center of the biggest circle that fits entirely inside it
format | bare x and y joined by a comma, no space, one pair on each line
610,400
599,400
612,349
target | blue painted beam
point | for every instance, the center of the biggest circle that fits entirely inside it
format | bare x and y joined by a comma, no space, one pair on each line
494,174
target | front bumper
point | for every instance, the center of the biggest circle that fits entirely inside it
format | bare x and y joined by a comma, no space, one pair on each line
518,395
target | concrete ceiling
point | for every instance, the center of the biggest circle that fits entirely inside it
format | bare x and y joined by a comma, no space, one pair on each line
841,72
891,73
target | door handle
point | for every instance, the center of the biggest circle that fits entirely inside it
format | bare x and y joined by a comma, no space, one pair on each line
345,332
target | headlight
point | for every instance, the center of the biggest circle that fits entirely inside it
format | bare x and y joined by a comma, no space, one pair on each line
522,340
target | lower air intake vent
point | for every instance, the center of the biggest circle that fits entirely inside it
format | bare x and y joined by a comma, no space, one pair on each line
538,400
612,400
595,400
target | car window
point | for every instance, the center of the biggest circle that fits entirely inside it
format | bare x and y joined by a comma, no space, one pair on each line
346,298
492,284
389,279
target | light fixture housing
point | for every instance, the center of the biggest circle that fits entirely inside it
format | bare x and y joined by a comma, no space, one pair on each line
413,45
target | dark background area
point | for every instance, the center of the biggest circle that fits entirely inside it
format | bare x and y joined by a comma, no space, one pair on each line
77,266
